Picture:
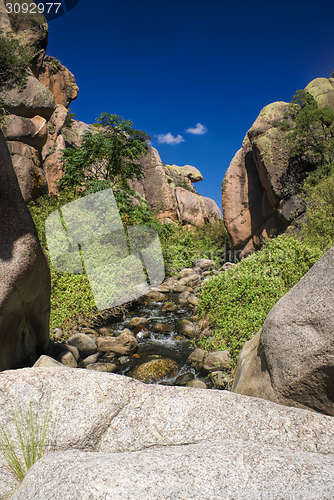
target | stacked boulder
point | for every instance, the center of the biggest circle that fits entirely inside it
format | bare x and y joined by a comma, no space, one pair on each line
36,114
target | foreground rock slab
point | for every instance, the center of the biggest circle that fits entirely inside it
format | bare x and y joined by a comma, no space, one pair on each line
208,470
152,441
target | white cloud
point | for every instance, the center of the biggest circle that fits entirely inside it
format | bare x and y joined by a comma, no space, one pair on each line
198,130
169,138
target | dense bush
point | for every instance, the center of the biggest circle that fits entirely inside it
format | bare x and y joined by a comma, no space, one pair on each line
236,303
14,61
317,227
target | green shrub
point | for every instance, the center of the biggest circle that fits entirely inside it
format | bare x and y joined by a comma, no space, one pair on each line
236,303
317,227
71,294
182,248
14,62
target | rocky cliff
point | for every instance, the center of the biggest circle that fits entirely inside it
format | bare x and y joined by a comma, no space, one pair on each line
34,115
255,198
36,132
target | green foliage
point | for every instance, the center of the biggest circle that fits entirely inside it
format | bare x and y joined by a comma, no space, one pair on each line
183,247
317,227
313,134
311,141
14,62
31,429
69,120
54,63
186,186
236,303
111,154
71,294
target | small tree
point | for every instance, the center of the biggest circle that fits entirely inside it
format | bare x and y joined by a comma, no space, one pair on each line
112,154
313,134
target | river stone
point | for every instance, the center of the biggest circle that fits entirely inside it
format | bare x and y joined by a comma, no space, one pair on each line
220,379
168,307
163,288
184,378
194,281
59,348
178,434
138,321
102,367
217,360
197,384
67,359
162,328
93,358
182,299
227,266
106,332
181,288
46,362
156,296
155,370
85,344
196,356
185,272
205,264
124,344
140,332
187,328
192,299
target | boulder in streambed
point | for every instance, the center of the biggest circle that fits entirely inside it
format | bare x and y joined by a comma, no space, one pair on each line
155,370
124,344
84,343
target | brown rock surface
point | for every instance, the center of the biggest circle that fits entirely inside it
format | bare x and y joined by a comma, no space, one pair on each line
34,99
24,276
53,167
59,80
155,370
31,131
54,126
31,179
124,344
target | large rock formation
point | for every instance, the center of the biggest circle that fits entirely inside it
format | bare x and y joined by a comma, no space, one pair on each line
169,191
112,436
59,80
37,112
291,361
24,276
255,191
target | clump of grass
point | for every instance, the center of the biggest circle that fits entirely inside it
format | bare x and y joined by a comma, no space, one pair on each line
236,303
31,428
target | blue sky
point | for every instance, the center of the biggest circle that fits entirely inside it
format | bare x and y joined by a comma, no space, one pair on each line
185,66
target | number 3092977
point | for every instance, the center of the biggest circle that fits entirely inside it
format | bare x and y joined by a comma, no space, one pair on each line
32,8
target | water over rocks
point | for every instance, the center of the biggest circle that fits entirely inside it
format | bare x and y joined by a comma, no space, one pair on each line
153,343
